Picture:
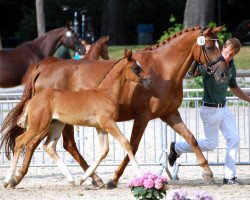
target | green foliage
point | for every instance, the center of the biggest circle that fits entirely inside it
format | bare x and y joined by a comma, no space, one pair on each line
141,192
223,35
175,28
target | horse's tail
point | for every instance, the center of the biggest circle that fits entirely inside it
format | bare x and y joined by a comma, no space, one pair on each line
10,130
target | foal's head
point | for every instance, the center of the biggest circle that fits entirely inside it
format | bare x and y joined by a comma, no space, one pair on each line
104,47
134,72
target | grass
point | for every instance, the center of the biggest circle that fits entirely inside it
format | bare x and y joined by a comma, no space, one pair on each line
242,60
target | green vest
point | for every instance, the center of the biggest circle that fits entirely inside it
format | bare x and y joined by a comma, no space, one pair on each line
62,52
215,92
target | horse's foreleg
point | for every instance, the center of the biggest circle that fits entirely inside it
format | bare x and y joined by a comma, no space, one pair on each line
70,146
54,134
112,128
136,135
175,122
103,139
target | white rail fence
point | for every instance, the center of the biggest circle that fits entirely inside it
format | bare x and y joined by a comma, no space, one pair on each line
156,139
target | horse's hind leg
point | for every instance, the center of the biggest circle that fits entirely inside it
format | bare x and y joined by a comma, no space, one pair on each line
70,146
20,142
30,148
54,134
103,139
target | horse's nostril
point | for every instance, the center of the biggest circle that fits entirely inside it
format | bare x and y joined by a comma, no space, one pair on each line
223,75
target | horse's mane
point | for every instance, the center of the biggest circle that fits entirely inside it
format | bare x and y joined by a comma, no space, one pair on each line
170,38
109,71
43,35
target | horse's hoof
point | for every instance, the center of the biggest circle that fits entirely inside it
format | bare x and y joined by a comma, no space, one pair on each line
81,181
13,183
208,176
72,183
5,184
111,184
98,183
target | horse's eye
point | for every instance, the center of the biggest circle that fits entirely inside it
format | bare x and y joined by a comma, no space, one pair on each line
136,69
210,48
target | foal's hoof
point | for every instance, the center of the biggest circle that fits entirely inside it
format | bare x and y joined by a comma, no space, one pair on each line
98,183
111,184
81,181
5,184
13,183
208,176
71,183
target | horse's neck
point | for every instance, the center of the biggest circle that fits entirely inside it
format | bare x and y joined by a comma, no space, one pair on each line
169,61
47,44
93,53
114,80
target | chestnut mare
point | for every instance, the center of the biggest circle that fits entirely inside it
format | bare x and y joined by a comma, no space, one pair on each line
98,49
48,111
167,63
14,63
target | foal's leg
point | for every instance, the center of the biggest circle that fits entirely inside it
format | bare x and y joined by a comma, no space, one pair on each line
20,142
174,120
103,139
30,148
11,172
137,132
112,128
54,134
70,146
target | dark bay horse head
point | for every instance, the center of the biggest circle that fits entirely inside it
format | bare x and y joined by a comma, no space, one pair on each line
71,40
14,63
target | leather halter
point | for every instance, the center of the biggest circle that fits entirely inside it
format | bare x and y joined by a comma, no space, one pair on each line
208,61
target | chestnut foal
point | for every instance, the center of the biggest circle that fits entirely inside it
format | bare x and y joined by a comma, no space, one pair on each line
47,112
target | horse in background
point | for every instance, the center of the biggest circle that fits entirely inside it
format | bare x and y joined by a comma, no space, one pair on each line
49,110
167,63
93,52
14,63
98,49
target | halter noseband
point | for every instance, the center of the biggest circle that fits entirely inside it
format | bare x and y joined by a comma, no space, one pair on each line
201,42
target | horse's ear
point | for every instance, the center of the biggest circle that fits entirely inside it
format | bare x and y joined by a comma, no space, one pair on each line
69,24
208,31
218,29
107,38
127,54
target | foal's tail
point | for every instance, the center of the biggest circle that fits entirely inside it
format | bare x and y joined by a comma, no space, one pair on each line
10,130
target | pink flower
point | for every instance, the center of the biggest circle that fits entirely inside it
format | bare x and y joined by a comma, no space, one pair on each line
148,183
150,176
158,183
138,182
130,184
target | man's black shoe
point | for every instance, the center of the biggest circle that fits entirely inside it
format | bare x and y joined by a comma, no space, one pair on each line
231,181
172,156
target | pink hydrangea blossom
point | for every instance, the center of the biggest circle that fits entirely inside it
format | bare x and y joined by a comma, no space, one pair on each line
148,183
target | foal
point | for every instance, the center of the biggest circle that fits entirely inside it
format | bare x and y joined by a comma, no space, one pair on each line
48,111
